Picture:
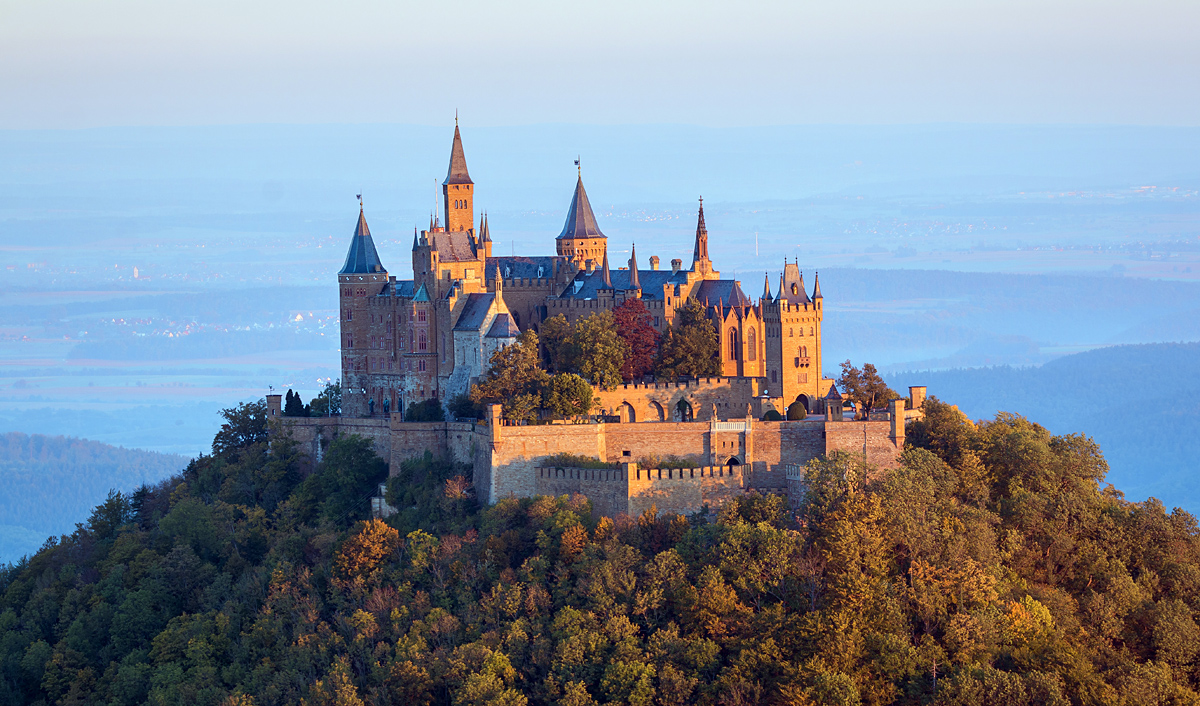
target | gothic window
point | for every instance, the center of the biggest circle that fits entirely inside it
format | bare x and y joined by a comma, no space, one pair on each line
753,341
349,315
422,366
349,340
422,344
803,351
797,362
421,315
733,344
810,330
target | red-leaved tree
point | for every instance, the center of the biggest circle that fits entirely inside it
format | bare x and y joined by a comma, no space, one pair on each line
633,326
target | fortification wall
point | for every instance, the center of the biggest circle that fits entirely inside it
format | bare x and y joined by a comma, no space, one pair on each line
658,401
608,489
452,440
314,434
516,451
683,490
882,450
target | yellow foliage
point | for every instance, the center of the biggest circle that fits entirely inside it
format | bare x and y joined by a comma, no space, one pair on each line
363,552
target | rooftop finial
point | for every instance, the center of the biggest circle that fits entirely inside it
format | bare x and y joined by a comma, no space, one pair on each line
456,117
578,168
359,197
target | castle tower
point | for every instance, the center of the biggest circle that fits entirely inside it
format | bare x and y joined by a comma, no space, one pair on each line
700,262
458,189
485,238
581,239
361,277
794,346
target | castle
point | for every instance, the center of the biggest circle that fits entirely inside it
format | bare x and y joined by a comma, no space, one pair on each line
406,342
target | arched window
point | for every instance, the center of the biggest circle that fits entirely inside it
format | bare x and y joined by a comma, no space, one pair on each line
791,332
421,342
733,344
753,341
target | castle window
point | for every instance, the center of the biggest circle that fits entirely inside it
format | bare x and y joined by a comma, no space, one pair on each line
656,321
797,362
349,340
753,346
421,315
349,315
733,344
421,367
810,330
791,332
772,376
422,344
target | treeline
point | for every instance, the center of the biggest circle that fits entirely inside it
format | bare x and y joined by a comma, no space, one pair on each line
992,567
50,482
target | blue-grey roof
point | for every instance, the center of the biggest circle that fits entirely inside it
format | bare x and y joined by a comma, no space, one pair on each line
474,312
422,294
724,290
520,266
503,327
581,222
457,173
453,246
586,285
398,288
361,258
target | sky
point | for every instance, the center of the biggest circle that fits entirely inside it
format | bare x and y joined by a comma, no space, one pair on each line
93,63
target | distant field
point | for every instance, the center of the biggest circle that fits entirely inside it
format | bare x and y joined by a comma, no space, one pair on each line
1140,403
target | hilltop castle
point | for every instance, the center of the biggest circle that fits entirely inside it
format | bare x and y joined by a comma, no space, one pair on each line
407,341
429,338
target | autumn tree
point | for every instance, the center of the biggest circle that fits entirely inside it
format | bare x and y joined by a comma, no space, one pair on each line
514,379
865,388
594,351
691,347
641,339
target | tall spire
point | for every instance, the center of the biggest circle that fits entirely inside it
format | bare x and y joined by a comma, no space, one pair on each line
362,257
817,286
634,283
700,253
416,241
457,173
766,287
605,275
780,295
486,233
581,222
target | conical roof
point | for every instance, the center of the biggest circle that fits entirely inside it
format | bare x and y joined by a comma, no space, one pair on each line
457,173
486,234
605,273
634,283
766,287
701,250
581,222
362,257
817,287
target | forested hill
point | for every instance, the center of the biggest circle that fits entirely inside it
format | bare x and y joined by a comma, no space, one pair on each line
48,483
1141,403
993,567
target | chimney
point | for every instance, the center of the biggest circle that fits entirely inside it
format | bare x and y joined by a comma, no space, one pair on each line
590,265
654,262
676,265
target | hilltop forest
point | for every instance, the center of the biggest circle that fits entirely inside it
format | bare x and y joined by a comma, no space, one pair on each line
993,567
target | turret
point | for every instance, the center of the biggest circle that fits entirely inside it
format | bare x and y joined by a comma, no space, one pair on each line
458,189
700,261
634,282
581,239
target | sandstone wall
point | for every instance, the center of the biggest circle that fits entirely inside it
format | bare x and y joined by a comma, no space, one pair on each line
517,451
683,491
608,489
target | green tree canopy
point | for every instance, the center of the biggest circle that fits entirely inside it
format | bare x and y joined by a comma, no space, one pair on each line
514,379
691,348
865,388
567,395
595,352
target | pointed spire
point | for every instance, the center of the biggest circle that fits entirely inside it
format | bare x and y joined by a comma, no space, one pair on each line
634,282
457,173
817,286
766,288
416,240
431,222
581,222
362,257
487,233
700,253
605,275
780,295
803,291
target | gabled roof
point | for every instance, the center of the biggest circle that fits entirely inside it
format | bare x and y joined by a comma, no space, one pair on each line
454,246
725,291
521,267
503,327
457,173
581,222
475,311
586,285
361,258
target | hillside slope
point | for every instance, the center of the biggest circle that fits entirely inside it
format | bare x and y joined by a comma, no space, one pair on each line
1141,403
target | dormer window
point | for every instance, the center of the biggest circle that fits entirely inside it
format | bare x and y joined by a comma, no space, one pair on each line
795,289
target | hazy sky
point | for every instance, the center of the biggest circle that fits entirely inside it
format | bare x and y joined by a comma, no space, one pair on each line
80,63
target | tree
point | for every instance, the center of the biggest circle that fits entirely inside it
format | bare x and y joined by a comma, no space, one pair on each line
641,340
244,424
514,379
293,406
865,388
690,348
595,351
428,411
462,407
555,334
329,402
567,395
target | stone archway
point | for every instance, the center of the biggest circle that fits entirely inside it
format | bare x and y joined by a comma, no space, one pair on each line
683,412
803,400
656,413
626,413
733,461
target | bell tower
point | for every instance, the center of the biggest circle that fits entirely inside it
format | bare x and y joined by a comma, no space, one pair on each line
581,239
458,191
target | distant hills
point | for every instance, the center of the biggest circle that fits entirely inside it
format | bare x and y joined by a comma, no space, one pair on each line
49,483
1140,402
